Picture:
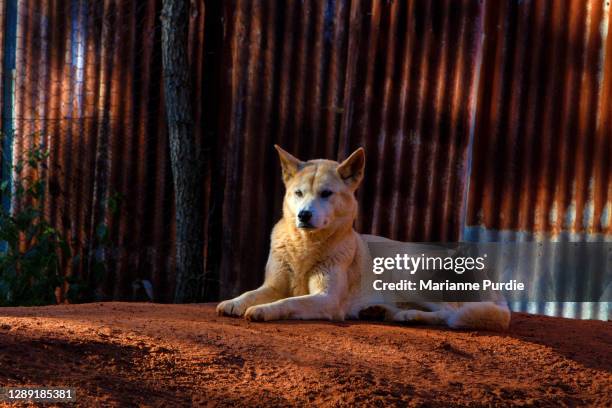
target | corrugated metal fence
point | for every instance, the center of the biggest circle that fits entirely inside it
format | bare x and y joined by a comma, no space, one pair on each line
543,135
481,120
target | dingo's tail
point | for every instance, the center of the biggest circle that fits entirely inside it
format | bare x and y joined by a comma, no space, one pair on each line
481,315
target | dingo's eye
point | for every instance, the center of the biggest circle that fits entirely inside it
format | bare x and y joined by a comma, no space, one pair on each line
326,193
299,193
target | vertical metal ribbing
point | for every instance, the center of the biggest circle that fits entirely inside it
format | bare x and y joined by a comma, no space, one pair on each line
9,48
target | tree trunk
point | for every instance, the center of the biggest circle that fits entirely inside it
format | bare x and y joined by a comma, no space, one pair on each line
184,149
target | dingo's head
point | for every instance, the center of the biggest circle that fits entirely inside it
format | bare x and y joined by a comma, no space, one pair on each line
320,193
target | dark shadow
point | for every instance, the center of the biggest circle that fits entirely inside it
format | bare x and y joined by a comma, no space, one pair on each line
100,371
103,372
587,342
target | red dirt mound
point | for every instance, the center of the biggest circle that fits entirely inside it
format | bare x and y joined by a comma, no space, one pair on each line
118,354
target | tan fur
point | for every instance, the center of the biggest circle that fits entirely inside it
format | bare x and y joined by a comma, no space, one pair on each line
314,268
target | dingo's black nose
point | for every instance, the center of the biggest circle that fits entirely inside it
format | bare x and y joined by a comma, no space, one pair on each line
304,216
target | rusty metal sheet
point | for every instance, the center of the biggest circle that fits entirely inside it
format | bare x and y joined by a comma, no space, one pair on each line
88,88
541,159
479,119
336,75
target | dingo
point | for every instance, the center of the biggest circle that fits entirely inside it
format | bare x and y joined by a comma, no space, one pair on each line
316,258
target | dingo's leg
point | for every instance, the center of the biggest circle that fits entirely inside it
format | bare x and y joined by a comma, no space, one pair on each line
275,287
306,307
437,317
474,315
238,305
327,289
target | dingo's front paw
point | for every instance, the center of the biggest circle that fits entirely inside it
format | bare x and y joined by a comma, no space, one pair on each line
231,307
261,313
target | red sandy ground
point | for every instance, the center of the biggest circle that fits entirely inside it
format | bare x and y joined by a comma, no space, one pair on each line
134,354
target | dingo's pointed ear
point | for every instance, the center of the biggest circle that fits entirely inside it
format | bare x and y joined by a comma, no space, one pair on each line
351,170
289,163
